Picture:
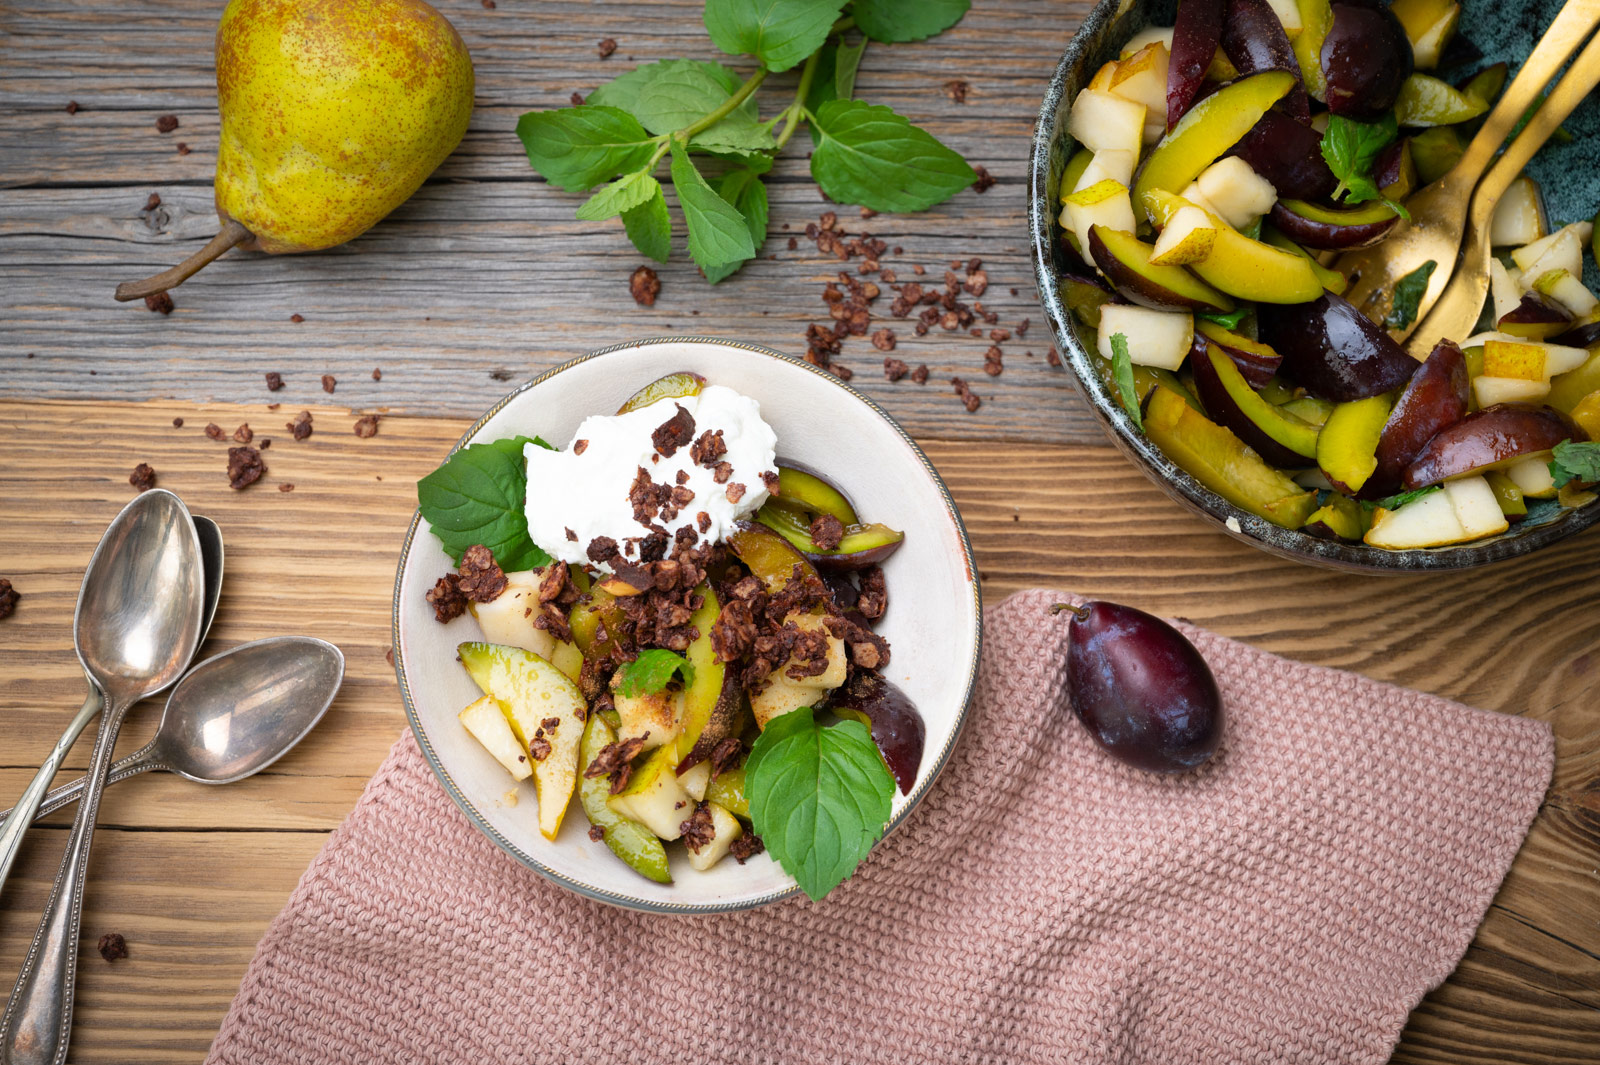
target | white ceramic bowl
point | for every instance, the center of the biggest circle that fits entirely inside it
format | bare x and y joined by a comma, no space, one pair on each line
933,624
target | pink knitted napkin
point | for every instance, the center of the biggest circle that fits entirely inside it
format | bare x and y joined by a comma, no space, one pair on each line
1291,902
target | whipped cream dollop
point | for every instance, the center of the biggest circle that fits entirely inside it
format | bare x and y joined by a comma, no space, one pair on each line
706,461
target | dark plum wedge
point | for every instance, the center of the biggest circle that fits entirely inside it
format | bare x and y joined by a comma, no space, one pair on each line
1434,400
1333,228
1196,35
1366,57
1257,362
1229,400
803,489
896,726
1254,40
1537,317
1334,350
1141,688
1289,155
861,545
1489,438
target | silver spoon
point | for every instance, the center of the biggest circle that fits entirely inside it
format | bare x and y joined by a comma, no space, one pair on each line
11,832
138,623
233,715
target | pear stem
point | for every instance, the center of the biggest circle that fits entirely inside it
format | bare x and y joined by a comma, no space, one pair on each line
232,235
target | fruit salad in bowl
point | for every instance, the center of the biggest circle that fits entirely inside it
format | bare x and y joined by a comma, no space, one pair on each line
1199,167
677,644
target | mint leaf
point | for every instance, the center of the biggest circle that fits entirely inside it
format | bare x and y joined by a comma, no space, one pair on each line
477,497
718,233
1229,321
1408,292
819,797
651,672
743,189
735,136
579,147
623,194
899,20
780,33
871,156
1400,499
1122,371
1350,149
846,62
649,226
671,94
1576,462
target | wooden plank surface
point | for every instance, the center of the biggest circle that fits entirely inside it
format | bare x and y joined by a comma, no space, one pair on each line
192,875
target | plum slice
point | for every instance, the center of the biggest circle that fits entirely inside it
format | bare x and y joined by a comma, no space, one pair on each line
861,546
1289,155
1333,350
672,386
1434,400
1536,317
1254,40
1276,436
1125,260
803,489
1488,439
892,717
1196,34
1365,58
1333,228
1257,362
769,556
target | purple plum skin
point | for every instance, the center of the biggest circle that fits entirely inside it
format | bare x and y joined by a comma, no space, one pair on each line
1333,350
1196,33
1289,155
1366,57
896,725
1254,40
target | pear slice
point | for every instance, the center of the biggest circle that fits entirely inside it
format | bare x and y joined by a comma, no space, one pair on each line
654,797
655,717
488,725
1428,521
1566,290
1532,475
725,829
1100,120
1476,507
1519,215
1155,338
508,619
1487,391
533,692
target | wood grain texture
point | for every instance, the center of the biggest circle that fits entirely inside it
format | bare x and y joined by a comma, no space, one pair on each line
485,270
192,875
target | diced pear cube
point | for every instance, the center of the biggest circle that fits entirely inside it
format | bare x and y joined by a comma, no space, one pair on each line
1505,286
1533,476
1193,195
1101,82
508,619
696,779
1109,165
1561,250
487,724
1239,194
1142,78
1520,359
654,797
1476,507
725,828
1105,203
1519,216
1424,522
1101,120
1491,390
1566,290
1146,36
1155,338
1187,238
656,717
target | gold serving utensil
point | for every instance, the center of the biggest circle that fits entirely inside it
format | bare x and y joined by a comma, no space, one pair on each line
1439,211
1461,301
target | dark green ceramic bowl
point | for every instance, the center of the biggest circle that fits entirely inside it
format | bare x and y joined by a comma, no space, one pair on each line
1568,172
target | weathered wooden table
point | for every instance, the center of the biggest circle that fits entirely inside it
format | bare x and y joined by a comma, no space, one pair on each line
483,278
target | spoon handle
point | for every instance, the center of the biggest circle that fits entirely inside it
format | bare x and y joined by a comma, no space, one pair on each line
38,1019
23,814
140,761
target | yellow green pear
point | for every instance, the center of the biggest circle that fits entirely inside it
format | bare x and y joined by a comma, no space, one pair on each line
333,113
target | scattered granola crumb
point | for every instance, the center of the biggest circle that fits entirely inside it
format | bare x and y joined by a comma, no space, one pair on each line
920,374
919,269
388,655
735,492
153,202
244,434
698,831
183,149
576,99
286,486
300,428
297,318
883,340
143,477
266,442
113,947
482,580
328,383
894,368
1022,326
72,107
377,374
985,180
244,467
607,47
1052,358
746,847
992,364
367,426
827,531
8,598
215,431
177,423
793,243
957,91
167,123
446,599
867,212
161,303
644,285
844,373
274,381
488,5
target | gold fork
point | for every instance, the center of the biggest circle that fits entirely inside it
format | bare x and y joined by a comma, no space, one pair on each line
1439,211
1461,302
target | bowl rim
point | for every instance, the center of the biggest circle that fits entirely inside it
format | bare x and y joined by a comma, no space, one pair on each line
1236,522
621,899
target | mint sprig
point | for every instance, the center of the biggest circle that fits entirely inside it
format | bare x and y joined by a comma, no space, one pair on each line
1575,462
819,797
1122,373
651,672
1350,149
1408,292
477,497
865,155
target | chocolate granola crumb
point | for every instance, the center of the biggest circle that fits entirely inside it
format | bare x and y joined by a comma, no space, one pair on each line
300,428
113,947
1052,357
883,340
366,426
539,748
377,374
446,599
977,282
601,549
1022,328
844,373
615,760
266,442
297,318
286,486
72,107
827,532
971,401
328,383
183,149
644,285
698,831
735,492
576,99
793,243
985,180
167,123
244,467
153,202
488,5
726,755
957,91
874,597
244,434
746,847
143,477
708,448
274,381
596,833
571,536
482,580
8,598
580,446
721,472
920,374
177,423
215,431
607,47
894,368
677,431
161,303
